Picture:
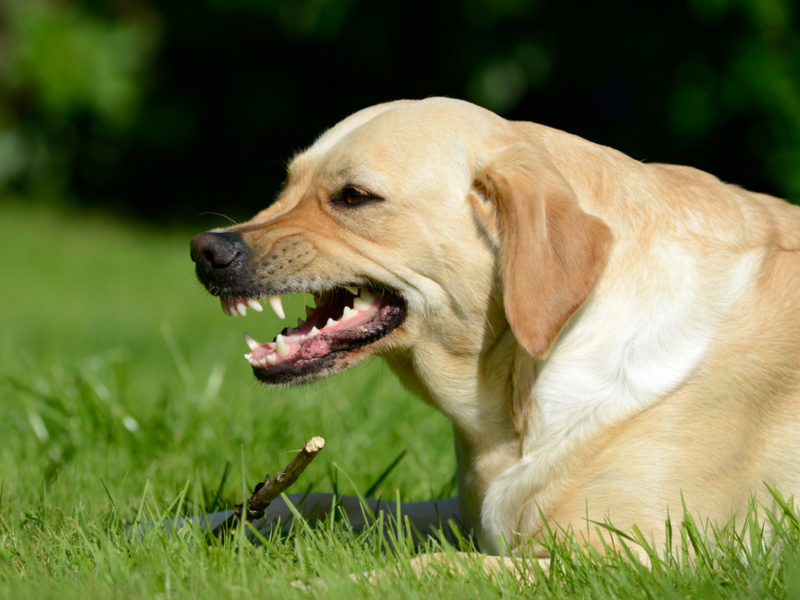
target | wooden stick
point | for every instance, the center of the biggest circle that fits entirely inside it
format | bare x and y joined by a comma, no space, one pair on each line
270,489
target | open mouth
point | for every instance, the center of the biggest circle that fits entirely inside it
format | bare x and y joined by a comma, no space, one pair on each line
344,319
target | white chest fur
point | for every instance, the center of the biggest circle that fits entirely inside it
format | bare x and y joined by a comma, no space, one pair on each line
636,340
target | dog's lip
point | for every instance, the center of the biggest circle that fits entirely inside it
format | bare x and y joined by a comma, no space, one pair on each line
346,317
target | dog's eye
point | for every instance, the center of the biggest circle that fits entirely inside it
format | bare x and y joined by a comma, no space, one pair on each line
353,196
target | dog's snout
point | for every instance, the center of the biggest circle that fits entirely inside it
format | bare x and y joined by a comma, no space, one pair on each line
218,255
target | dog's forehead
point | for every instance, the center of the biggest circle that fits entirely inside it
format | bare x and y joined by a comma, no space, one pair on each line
399,137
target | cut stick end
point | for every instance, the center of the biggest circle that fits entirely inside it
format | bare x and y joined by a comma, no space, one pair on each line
315,444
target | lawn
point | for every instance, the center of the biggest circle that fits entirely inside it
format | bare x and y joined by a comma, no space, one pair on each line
125,399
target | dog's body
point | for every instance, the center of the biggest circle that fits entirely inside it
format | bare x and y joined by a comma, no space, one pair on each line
609,338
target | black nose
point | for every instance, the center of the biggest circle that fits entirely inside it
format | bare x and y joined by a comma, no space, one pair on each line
219,256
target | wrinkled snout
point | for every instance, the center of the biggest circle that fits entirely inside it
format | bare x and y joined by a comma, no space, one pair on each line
220,258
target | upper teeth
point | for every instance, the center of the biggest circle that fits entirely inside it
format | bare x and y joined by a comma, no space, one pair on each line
277,306
364,300
283,346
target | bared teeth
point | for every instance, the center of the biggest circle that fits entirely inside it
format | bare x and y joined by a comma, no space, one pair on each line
275,352
282,347
262,362
238,306
256,363
229,306
251,342
277,306
364,301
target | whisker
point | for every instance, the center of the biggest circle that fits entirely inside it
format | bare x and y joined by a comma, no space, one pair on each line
216,214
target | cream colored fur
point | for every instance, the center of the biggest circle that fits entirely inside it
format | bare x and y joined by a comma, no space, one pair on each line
605,335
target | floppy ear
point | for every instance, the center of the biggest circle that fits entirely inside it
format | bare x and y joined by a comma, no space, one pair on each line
552,252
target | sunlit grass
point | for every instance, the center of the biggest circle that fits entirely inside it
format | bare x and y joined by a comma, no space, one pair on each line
125,399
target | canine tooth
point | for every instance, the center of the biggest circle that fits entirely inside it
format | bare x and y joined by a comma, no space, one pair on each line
251,342
277,306
348,313
281,346
352,289
368,296
255,304
314,331
362,303
241,308
271,358
248,356
330,323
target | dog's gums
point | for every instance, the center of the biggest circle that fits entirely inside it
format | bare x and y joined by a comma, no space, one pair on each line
344,319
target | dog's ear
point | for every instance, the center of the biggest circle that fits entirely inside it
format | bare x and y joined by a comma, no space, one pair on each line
552,253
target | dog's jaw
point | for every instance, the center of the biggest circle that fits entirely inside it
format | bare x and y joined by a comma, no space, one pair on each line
335,335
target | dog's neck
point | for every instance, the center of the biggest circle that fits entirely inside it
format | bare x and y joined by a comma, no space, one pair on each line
471,389
473,392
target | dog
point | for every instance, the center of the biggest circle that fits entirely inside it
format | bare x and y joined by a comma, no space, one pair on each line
610,339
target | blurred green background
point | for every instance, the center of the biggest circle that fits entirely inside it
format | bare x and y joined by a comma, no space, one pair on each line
166,109
127,125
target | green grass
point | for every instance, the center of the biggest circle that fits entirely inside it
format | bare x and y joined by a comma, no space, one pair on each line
125,399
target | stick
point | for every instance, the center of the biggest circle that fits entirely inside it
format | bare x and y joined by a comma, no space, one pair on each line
270,489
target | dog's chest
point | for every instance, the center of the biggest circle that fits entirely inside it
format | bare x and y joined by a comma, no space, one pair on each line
622,353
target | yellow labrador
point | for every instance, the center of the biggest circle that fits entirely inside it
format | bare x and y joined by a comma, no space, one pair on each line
606,336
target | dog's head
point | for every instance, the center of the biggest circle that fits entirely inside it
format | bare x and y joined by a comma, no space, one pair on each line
422,228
